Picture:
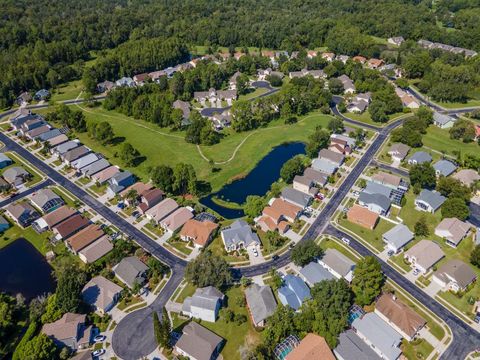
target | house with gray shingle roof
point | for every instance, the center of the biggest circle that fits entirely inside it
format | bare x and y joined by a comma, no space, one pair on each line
377,203
131,270
351,347
324,166
399,151
119,182
261,303
4,161
293,292
337,264
95,167
455,275
49,135
419,157
296,197
443,121
204,304
197,342
397,237
444,168
46,200
101,294
16,175
429,201
239,235
313,273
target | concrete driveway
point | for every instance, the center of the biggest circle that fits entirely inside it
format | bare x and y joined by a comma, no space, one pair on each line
255,259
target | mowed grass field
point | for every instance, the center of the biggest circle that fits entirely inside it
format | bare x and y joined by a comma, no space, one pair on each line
234,156
439,139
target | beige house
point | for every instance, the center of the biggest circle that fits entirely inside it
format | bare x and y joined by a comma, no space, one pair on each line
454,275
175,220
424,255
101,294
452,230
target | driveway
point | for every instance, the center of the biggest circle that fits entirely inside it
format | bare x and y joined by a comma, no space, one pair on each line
255,259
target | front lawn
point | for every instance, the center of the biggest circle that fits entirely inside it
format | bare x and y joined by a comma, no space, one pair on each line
217,248
180,245
68,91
327,243
254,93
366,118
417,349
129,301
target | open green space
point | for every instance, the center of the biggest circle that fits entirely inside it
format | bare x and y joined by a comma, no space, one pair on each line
252,94
129,301
68,91
473,101
235,155
39,241
366,118
439,139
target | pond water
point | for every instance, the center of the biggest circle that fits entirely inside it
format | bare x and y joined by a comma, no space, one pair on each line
24,270
257,182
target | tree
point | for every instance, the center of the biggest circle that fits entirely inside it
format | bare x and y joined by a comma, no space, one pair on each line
327,313
463,129
317,141
453,188
421,227
402,83
208,136
423,175
367,281
475,256
103,132
276,279
185,179
242,84
7,316
274,80
162,177
292,167
378,111
128,154
335,86
208,270
254,205
274,239
336,126
305,251
39,347
455,207
167,328
70,282
425,114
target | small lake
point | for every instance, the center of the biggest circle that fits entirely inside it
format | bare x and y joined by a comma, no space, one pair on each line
257,182
24,270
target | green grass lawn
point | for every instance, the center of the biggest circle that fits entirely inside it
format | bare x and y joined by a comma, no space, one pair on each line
180,246
122,305
163,146
68,91
367,119
418,349
40,241
400,261
252,94
217,248
439,139
373,237
18,161
187,291
327,243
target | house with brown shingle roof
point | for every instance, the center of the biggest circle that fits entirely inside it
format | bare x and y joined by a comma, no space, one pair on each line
69,331
106,174
53,218
199,232
374,63
454,275
149,199
452,230
278,215
467,176
176,220
162,210
399,316
101,294
362,216
96,250
311,347
139,187
84,238
69,226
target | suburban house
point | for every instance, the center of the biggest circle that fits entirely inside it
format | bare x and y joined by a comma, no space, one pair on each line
324,166
212,96
329,56
343,58
118,182
363,217
47,135
398,151
337,264
16,176
57,140
296,197
444,168
23,99
161,210
46,200
22,213
261,303
125,81
42,94
199,232
318,178
351,347
397,237
4,224
396,40
278,216
31,124
149,199
293,292
70,226
429,201
378,203
198,343
423,255
233,80
443,121
452,230
95,167
84,237
313,273
419,157
332,156
348,86
140,79
454,275
239,235
185,108
398,187
176,220
204,304
137,189
362,60
399,316
101,294
69,331
61,149
380,336
341,144
304,184
105,86
359,103
102,176
311,54
262,74
130,270
467,177
311,347
374,63
74,154
85,161
96,250
5,161
317,74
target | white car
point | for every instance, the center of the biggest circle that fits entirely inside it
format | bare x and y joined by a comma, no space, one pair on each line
345,240
255,252
99,338
98,352
416,272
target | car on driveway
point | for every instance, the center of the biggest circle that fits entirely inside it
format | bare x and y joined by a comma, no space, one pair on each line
98,352
99,338
390,252
477,319
255,252
416,272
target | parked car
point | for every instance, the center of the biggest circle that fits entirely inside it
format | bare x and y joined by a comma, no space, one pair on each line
275,257
345,240
477,319
255,252
98,352
121,205
99,338
390,252
416,272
